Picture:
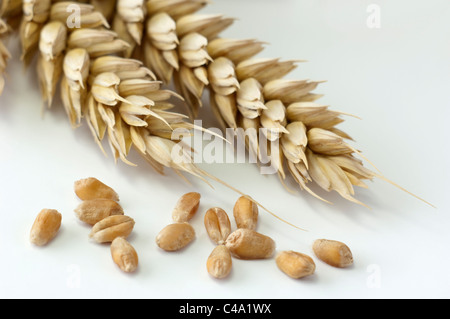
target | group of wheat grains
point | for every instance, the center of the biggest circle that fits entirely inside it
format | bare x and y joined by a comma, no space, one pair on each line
113,61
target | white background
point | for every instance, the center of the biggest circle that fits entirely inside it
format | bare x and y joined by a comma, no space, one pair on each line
396,78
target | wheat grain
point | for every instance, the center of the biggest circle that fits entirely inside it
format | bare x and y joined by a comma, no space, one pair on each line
294,264
217,224
219,263
45,227
94,210
124,255
111,227
175,236
249,244
333,252
186,207
246,213
91,188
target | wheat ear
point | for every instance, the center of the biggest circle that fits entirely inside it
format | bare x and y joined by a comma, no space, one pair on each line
178,44
252,92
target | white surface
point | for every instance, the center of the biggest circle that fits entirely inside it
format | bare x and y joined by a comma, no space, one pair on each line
396,78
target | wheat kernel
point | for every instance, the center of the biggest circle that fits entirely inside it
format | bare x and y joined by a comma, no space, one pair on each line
45,227
92,188
295,265
124,255
175,236
94,210
219,263
249,244
246,213
186,207
108,229
334,253
217,225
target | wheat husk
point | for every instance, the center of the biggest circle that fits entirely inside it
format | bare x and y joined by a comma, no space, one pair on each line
192,76
51,46
160,46
4,54
175,8
107,8
128,23
89,16
250,99
74,83
35,14
11,12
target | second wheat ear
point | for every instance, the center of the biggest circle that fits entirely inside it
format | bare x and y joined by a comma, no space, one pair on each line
112,62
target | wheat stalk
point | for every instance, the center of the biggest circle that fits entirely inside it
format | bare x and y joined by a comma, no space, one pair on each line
113,77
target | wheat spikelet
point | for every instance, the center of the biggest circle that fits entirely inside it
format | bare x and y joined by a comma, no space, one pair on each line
11,12
52,44
35,14
106,7
192,78
4,55
128,23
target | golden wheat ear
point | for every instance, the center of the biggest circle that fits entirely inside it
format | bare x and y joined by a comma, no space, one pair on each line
111,68
245,91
